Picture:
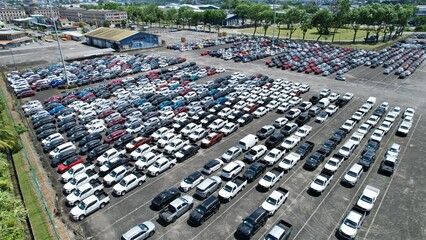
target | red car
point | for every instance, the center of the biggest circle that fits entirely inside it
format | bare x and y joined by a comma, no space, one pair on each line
24,94
181,109
115,82
204,53
211,139
69,163
135,143
212,72
72,96
106,113
253,107
185,91
115,121
87,96
52,98
114,136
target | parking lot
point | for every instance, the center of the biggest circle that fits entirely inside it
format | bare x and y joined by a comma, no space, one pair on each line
397,214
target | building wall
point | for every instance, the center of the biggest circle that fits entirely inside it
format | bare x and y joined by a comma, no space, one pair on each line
139,40
11,36
97,16
45,12
10,14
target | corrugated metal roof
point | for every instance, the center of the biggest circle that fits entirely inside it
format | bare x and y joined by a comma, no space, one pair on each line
112,34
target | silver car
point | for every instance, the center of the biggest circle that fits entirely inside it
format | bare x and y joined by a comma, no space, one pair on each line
139,232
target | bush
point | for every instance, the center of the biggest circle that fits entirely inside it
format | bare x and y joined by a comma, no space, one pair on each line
421,28
20,129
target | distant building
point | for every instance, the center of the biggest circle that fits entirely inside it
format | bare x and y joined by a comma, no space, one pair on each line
120,39
421,10
12,38
2,25
45,12
195,8
97,16
9,14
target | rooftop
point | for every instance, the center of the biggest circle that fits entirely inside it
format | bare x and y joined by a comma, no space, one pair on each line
110,33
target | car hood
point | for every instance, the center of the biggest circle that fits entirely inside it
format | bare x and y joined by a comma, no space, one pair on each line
103,168
268,207
244,230
317,187
364,205
76,211
118,187
347,230
263,182
225,194
350,178
69,186
72,198
108,178
129,145
179,155
66,175
152,169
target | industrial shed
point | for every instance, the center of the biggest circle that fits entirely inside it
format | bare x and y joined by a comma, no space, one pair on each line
120,39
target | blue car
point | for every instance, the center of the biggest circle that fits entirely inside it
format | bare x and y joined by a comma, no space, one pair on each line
212,92
139,102
56,82
194,77
82,94
174,86
178,104
57,109
221,100
164,104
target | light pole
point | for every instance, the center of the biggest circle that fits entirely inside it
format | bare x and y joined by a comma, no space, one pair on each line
59,43
273,27
13,57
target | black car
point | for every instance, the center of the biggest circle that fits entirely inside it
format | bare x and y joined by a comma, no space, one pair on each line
199,116
88,138
123,140
254,171
252,224
338,135
164,198
67,127
78,136
367,159
89,146
208,119
204,211
46,133
43,121
186,152
164,123
181,124
340,102
314,161
274,140
371,145
86,120
328,147
75,129
58,159
65,121
305,149
302,119
114,128
380,111
97,151
148,131
45,127
245,119
53,144
235,115
315,99
288,129
108,166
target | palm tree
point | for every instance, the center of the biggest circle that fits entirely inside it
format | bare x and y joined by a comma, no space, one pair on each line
8,140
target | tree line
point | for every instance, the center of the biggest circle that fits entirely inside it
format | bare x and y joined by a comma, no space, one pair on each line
377,18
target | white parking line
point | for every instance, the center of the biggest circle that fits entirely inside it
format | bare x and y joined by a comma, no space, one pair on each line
393,175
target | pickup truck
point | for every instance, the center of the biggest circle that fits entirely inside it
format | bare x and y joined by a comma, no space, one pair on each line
368,198
161,165
75,170
280,231
177,208
108,155
352,222
84,191
275,200
128,183
147,160
174,146
142,150
333,163
290,142
289,161
118,173
79,180
109,165
303,131
232,188
89,205
270,178
321,182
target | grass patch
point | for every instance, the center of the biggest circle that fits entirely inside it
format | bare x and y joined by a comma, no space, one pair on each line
32,203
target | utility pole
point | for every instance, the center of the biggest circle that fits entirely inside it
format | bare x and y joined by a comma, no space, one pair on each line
59,43
273,27
13,57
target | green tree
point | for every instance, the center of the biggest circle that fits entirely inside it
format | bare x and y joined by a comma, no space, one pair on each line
230,4
403,14
267,18
341,11
107,24
171,15
8,139
322,21
80,24
184,16
112,6
305,25
355,20
293,18
242,11
254,15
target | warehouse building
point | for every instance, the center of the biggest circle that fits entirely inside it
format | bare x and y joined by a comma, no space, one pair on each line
120,39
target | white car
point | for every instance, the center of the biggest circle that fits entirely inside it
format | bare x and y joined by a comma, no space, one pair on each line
289,161
97,128
351,224
160,132
229,128
68,115
396,110
212,166
356,138
198,134
273,156
217,124
373,120
357,116
333,163
377,135
322,117
272,105
232,169
191,181
95,122
295,100
409,112
403,129
365,108
394,150
224,112
348,125
333,97
348,96
220,70
331,109
180,116
260,112
231,154
384,105
280,122
385,126
391,117
303,131
364,128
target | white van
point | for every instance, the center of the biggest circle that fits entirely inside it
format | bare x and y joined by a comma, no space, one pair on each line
323,103
61,148
248,142
371,101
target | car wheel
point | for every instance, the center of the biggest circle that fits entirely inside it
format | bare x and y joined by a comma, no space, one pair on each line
140,183
102,205
151,233
123,193
156,174
171,165
96,192
173,219
81,217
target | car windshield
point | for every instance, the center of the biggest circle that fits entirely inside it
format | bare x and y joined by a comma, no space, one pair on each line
156,164
143,227
271,201
200,209
267,178
113,174
319,181
286,161
366,199
388,163
332,163
227,188
393,150
352,174
189,180
73,181
350,223
123,183
252,152
271,155
249,223
71,171
77,192
81,205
